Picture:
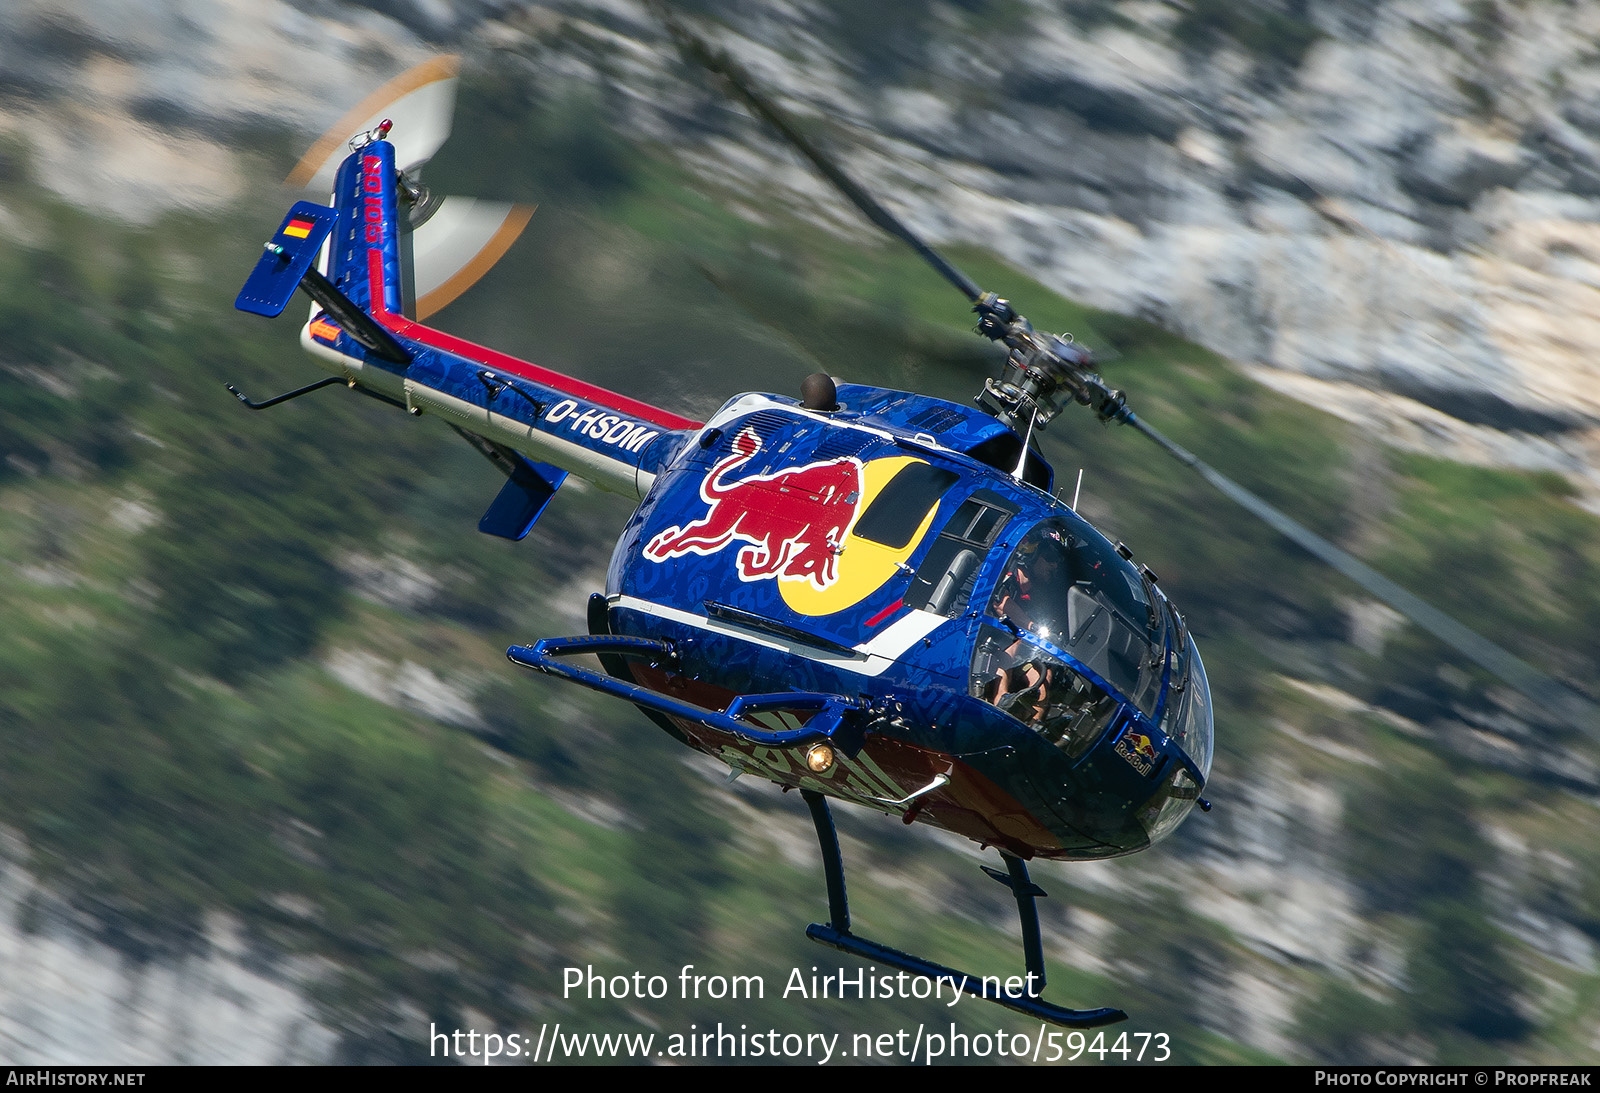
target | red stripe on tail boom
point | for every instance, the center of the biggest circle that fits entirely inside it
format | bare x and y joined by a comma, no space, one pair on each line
449,343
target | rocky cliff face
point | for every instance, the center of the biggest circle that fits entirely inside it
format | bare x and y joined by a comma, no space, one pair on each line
1389,208
1409,209
70,997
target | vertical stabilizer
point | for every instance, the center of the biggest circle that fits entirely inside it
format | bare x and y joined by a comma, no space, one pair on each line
364,253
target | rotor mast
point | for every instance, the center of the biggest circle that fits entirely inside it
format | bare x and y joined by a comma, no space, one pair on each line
1042,369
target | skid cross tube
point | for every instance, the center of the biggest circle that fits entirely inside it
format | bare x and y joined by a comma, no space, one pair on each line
832,711
837,934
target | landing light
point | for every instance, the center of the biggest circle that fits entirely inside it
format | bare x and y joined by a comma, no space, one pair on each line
819,758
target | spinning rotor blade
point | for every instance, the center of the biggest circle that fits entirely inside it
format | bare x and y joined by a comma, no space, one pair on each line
1568,706
457,244
1077,376
420,101
448,242
719,63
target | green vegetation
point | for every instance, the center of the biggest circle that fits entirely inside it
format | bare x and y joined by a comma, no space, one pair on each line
1412,840
1414,848
183,583
1268,31
1343,1026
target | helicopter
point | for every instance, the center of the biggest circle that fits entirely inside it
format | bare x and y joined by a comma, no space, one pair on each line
864,594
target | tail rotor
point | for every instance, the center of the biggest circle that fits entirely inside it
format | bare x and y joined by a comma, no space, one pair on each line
447,242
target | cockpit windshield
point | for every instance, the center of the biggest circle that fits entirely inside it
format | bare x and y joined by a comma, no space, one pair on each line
1075,592
1075,633
1188,722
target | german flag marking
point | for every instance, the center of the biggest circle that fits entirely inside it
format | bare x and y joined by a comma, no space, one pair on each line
299,227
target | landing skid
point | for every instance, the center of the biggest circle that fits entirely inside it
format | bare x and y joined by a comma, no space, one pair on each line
837,933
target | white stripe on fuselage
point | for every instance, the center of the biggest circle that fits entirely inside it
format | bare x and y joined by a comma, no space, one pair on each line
871,658
616,475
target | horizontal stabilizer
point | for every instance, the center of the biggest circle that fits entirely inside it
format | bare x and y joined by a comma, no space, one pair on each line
286,259
522,499
528,489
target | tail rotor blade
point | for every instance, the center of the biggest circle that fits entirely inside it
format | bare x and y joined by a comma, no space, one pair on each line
420,101
457,244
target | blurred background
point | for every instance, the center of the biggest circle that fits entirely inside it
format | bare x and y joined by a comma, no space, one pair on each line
269,790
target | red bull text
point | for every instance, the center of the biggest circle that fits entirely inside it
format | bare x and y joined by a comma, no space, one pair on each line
1136,748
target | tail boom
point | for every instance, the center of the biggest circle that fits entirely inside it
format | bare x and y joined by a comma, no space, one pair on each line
609,439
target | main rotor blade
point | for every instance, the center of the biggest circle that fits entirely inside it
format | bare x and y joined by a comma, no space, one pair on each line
1568,706
720,64
725,286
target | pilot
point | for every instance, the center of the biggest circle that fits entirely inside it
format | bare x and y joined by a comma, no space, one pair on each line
1034,591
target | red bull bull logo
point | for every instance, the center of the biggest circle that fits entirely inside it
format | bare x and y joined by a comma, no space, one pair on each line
1136,748
792,523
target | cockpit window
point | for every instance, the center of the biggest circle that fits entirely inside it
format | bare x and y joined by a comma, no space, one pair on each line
1068,587
945,578
1187,720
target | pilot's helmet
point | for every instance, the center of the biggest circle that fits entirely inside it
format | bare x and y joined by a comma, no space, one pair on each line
1051,549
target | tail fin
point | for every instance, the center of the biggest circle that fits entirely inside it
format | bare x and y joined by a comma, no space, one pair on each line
444,243
362,256
364,251
289,255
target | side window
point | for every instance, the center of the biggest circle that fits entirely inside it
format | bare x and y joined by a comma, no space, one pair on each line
902,505
943,582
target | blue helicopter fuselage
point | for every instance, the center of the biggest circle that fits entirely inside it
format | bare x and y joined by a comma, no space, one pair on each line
862,552
892,575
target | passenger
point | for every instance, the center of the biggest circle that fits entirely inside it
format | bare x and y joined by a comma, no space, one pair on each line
1022,690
